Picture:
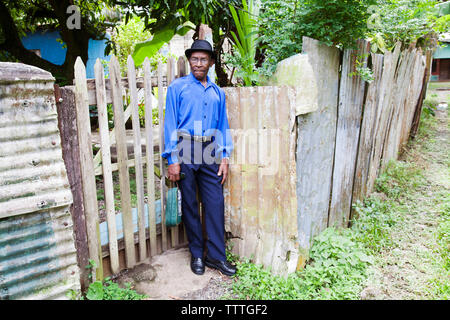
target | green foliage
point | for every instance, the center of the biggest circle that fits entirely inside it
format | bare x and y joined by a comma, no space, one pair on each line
150,47
125,38
109,290
337,270
373,223
284,23
398,178
244,45
362,70
406,21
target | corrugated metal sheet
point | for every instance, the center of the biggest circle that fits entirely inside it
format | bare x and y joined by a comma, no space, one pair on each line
37,251
260,193
32,172
37,255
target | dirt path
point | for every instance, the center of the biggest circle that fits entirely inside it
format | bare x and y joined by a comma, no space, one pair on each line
408,269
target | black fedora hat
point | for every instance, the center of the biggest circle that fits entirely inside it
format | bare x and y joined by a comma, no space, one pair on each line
200,45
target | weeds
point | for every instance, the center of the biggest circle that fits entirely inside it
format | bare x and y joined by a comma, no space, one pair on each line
341,261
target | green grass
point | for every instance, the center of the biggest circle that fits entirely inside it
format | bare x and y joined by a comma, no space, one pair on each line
436,85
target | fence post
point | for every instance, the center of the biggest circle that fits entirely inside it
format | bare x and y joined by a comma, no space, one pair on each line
67,122
87,169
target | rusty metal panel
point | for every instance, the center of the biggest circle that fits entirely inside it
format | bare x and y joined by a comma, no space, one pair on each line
37,250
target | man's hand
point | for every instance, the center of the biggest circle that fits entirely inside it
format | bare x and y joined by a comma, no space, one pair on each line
223,170
174,172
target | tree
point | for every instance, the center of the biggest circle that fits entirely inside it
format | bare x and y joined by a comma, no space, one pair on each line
172,16
283,23
20,16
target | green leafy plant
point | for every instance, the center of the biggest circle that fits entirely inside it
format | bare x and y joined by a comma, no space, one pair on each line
110,290
129,35
398,178
338,266
107,290
362,70
283,24
244,43
407,21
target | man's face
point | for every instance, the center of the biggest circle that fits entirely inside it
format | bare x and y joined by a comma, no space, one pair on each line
200,63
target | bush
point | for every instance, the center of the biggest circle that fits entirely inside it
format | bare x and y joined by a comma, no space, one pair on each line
282,25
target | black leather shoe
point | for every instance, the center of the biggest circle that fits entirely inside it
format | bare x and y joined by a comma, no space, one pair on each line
197,266
223,266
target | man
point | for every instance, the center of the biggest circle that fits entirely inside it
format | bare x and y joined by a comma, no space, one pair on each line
198,144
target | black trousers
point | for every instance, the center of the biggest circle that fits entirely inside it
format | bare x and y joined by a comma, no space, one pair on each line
204,175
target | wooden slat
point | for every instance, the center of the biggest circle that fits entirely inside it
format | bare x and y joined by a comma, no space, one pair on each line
137,157
383,112
400,87
417,75
106,166
87,168
124,178
112,138
171,74
315,144
351,99
92,98
181,67
161,159
368,124
233,184
249,218
390,109
418,108
150,157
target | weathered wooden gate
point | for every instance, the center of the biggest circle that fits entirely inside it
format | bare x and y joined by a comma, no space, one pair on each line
133,220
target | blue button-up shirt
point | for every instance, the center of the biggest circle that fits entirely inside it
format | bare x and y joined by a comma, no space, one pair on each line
197,110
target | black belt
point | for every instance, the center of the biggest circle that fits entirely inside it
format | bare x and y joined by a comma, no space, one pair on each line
194,137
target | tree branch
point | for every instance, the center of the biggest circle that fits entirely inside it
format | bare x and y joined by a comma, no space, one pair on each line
14,46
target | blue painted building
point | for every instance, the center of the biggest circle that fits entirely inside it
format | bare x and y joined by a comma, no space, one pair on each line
45,44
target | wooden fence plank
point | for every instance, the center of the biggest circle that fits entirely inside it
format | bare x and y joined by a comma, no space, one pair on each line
366,139
413,96
171,74
400,87
122,158
150,158
351,99
161,159
389,112
106,166
139,174
403,109
249,218
124,81
315,145
67,121
418,108
383,111
87,168
233,184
